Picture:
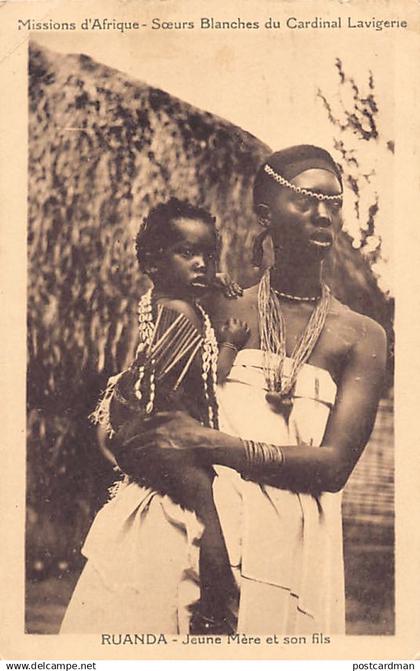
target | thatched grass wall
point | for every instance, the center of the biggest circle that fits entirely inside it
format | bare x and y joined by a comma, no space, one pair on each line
102,151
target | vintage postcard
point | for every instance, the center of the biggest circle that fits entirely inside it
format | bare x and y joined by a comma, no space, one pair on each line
209,249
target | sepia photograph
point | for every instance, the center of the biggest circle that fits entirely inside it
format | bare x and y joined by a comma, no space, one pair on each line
210,288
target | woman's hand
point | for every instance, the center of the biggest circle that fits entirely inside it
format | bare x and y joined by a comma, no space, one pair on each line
172,430
152,447
160,452
191,440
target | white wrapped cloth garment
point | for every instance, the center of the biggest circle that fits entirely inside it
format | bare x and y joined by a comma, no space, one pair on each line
285,548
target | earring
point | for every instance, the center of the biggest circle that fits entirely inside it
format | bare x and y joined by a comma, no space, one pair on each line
258,247
265,223
264,218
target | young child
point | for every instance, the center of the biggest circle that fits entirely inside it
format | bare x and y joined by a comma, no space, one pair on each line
176,367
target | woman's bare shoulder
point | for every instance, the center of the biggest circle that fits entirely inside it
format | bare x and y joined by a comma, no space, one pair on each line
221,307
361,325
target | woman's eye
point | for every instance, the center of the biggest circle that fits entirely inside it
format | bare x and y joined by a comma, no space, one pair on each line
303,202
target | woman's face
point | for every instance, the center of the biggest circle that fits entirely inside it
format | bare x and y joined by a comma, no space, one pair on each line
187,265
304,224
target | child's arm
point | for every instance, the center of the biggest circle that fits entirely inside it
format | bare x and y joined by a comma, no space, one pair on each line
232,337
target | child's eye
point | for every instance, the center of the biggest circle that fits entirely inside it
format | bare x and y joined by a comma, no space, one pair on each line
186,252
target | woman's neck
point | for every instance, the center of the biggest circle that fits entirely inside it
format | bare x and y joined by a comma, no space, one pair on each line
297,279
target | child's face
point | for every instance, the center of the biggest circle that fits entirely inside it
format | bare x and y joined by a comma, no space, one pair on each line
187,266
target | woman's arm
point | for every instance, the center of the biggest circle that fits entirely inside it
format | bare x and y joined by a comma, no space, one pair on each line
349,427
303,469
353,416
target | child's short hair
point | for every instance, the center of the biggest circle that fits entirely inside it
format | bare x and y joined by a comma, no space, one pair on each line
155,231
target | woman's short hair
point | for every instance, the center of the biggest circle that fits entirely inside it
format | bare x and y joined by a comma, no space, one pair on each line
288,163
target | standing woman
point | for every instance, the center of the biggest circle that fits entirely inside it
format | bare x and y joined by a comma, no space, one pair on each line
295,413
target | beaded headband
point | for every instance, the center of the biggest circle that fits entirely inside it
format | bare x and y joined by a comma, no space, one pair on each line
298,189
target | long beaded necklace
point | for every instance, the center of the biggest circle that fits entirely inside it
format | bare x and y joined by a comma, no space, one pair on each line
207,343
273,339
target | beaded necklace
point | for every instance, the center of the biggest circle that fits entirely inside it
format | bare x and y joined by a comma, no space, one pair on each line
209,367
273,339
146,329
188,342
298,299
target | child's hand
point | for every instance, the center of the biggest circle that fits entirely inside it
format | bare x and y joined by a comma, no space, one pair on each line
230,289
235,332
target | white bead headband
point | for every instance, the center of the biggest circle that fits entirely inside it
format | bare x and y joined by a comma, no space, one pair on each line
298,189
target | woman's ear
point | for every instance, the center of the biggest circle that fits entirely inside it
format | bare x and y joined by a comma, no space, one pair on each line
264,215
